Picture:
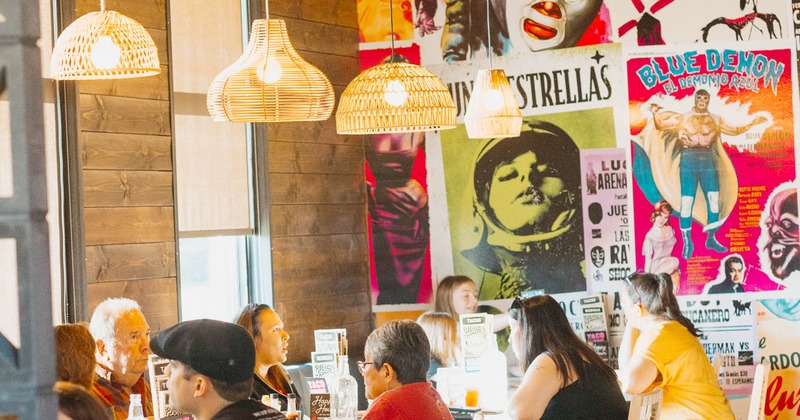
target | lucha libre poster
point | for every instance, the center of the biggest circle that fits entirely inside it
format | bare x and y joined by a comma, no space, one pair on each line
607,225
458,30
515,205
778,335
666,22
727,326
712,133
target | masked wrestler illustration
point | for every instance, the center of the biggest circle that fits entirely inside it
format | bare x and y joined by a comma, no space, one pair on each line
527,202
536,24
542,25
779,243
691,151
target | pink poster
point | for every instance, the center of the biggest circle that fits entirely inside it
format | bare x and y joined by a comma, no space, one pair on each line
607,222
712,135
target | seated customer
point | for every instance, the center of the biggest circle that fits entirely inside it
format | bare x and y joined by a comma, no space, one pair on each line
271,344
74,403
660,349
75,350
209,374
441,330
397,356
121,334
564,378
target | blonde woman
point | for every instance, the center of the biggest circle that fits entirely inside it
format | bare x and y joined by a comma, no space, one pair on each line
441,329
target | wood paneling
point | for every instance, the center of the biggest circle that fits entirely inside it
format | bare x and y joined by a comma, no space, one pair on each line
318,251
151,87
124,115
157,297
316,188
130,262
150,13
129,225
340,279
324,219
340,70
341,13
126,151
315,158
318,132
308,36
317,196
127,188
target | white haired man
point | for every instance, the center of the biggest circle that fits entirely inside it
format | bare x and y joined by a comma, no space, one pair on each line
122,336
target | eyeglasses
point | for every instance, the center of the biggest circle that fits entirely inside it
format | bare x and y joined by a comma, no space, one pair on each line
362,366
630,283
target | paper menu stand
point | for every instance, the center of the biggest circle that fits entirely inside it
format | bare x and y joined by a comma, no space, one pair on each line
158,388
595,324
320,399
323,364
476,331
330,341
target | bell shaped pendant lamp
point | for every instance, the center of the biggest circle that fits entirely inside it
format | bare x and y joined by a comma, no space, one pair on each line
104,45
395,97
270,82
492,111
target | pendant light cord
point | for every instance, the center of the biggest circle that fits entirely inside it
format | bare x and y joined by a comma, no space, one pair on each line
266,9
488,36
391,25
102,5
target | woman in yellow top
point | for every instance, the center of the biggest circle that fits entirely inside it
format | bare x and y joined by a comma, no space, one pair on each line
660,349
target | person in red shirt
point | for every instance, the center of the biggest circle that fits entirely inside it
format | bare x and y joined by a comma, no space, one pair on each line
398,355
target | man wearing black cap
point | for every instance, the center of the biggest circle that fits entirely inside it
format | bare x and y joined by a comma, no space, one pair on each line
211,370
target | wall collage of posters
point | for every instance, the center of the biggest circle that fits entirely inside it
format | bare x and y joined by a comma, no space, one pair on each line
658,135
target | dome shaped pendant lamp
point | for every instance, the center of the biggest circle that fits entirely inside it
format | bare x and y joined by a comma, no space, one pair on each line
104,45
395,97
270,82
492,111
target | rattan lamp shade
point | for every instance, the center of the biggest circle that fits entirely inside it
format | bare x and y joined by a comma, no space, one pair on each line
492,111
364,108
270,82
79,52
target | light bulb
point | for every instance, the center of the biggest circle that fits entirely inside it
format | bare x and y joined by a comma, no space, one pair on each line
493,99
271,72
105,53
395,93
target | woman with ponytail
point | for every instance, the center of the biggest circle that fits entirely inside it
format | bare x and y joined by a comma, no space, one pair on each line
660,349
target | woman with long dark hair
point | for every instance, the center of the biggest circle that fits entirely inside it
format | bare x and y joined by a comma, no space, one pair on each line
660,349
271,342
564,377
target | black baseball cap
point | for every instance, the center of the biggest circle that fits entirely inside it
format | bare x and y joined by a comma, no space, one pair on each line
219,350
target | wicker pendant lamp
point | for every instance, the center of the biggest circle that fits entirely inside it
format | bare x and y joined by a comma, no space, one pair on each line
104,45
395,97
270,82
492,111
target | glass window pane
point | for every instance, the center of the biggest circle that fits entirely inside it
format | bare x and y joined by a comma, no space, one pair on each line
213,277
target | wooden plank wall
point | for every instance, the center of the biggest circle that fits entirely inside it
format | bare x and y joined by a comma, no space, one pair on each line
317,193
126,151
